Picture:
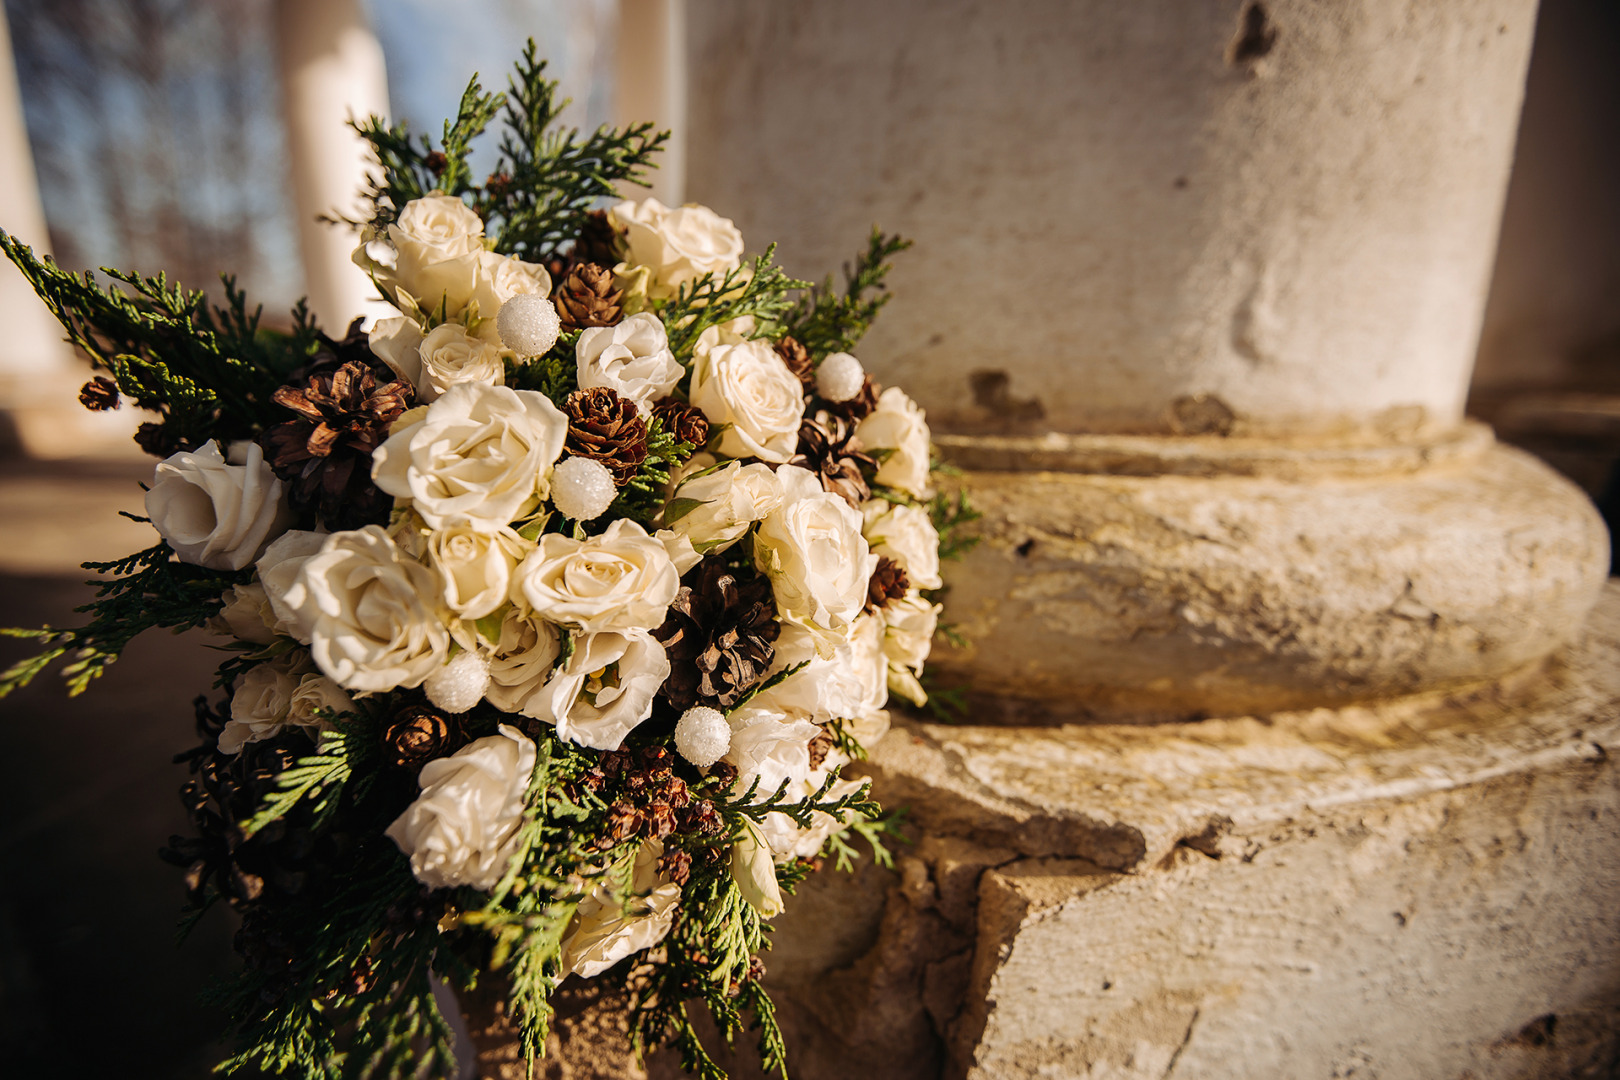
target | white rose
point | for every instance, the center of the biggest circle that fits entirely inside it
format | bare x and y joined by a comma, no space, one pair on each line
749,387
754,871
679,548
397,343
851,685
462,829
769,747
450,355
520,660
677,246
501,277
480,452
632,358
604,690
631,908
278,568
897,425
261,700
213,513
905,534
476,566
316,694
434,228
247,615
731,332
716,510
812,549
370,612
908,635
620,580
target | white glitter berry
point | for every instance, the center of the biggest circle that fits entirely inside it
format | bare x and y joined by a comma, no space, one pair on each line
460,684
840,377
702,736
528,324
581,489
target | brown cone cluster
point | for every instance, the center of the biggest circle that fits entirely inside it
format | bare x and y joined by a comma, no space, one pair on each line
647,799
99,394
587,297
607,427
828,447
888,584
598,241
859,407
324,454
417,735
719,635
686,422
797,359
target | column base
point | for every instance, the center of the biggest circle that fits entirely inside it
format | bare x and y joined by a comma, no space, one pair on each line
1419,889
1163,579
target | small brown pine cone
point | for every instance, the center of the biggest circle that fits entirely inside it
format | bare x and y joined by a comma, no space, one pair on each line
99,394
607,427
797,358
889,583
828,447
719,635
599,241
436,162
860,406
417,736
676,865
587,297
498,184
820,747
686,422
156,440
702,818
660,820
624,821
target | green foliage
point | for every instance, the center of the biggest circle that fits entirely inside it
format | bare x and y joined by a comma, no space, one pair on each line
147,589
642,498
209,370
828,320
759,289
318,777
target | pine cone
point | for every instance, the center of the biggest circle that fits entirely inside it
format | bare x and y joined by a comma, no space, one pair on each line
587,298
797,358
325,454
607,427
719,636
889,583
857,408
599,241
418,735
686,422
828,448
99,394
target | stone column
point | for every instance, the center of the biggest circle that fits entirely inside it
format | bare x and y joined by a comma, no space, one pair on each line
331,69
1186,283
1194,301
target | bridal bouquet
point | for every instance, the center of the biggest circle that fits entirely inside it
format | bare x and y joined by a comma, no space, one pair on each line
554,605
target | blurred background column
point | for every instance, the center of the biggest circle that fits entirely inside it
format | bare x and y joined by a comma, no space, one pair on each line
331,72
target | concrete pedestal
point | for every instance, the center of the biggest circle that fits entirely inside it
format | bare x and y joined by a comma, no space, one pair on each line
1419,890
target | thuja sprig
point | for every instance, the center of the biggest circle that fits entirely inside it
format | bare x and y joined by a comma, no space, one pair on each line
208,370
410,168
643,496
759,289
829,320
549,177
148,589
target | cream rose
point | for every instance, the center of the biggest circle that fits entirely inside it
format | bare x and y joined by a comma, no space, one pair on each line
284,692
754,870
812,549
769,747
620,580
632,358
851,685
397,342
905,534
631,908
278,568
214,513
677,246
449,355
437,241
462,829
483,453
604,690
717,509
908,635
246,616
747,386
897,425
370,612
788,842
476,566
520,660
501,277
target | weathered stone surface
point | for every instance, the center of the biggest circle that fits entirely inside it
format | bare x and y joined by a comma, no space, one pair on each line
1176,595
1419,889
